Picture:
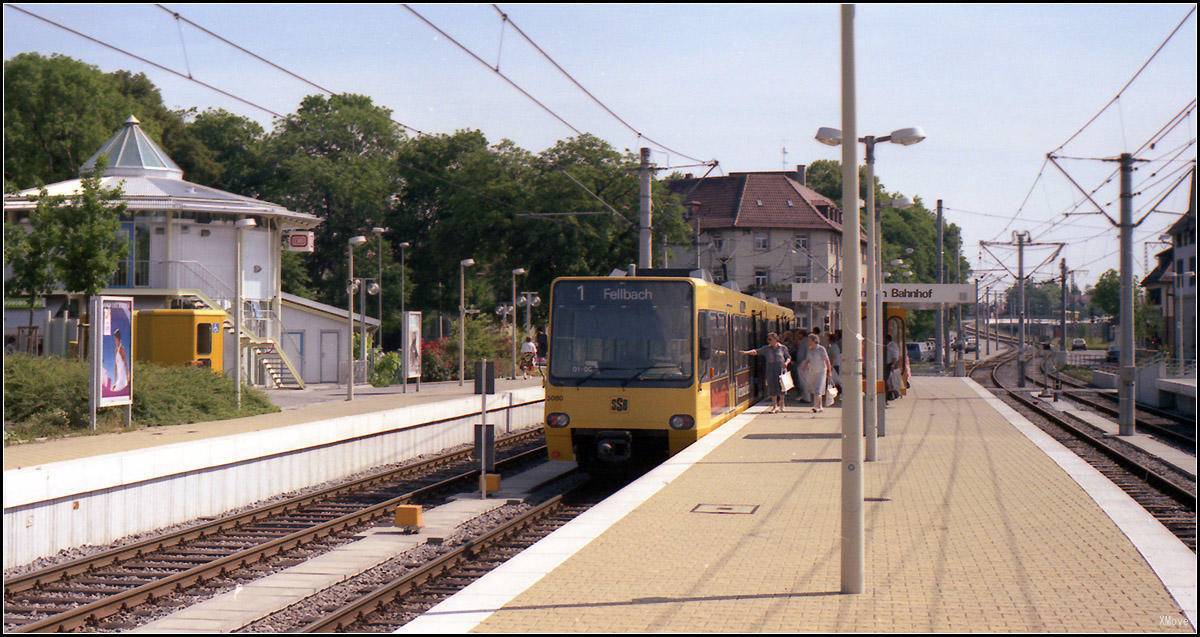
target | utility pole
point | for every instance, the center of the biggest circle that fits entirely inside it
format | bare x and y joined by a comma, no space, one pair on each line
1021,236
978,334
1126,396
871,398
941,311
853,570
959,363
1062,319
987,320
645,244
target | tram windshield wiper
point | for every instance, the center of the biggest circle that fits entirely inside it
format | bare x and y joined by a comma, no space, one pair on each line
642,370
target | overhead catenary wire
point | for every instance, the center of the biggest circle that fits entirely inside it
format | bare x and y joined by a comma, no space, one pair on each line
508,19
180,17
495,70
143,60
1130,82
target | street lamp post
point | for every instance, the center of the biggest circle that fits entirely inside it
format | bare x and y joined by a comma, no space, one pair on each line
353,243
513,325
240,224
871,404
403,327
529,300
378,232
462,318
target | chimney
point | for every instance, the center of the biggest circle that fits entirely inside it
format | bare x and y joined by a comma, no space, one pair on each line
800,174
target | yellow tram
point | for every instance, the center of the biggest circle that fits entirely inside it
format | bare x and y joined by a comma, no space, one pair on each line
641,367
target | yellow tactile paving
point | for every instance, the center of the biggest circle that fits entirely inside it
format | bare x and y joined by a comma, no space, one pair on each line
980,532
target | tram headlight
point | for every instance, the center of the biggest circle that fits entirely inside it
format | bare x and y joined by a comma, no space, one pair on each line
681,422
558,420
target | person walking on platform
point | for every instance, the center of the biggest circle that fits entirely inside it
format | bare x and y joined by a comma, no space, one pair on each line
816,370
891,367
543,345
835,360
799,351
529,352
776,361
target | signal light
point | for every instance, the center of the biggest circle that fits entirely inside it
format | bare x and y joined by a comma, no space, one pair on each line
558,420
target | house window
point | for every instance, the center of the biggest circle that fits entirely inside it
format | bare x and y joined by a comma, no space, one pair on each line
800,241
761,277
803,275
762,241
718,244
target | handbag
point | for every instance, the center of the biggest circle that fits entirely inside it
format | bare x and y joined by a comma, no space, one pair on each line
785,381
831,394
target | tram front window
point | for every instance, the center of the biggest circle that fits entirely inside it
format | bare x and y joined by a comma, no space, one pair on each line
621,333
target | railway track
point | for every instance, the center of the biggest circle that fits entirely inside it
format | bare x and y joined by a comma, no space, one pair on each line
1168,499
1169,427
82,592
399,601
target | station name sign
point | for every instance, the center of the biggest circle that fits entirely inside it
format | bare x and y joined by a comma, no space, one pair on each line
907,293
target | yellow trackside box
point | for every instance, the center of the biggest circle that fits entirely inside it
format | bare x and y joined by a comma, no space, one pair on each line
180,337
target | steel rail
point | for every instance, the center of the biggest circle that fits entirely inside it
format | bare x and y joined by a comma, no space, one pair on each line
360,608
79,616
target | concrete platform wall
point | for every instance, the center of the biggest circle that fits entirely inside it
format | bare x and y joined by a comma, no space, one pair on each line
60,505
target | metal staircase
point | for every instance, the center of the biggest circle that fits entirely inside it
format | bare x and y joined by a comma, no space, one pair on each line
275,362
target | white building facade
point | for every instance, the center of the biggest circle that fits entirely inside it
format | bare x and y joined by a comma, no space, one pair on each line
182,253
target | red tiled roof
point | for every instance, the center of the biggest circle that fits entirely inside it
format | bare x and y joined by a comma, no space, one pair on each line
758,200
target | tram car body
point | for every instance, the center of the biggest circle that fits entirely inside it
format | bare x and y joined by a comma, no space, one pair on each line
641,367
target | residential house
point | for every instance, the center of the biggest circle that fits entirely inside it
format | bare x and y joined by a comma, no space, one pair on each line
763,231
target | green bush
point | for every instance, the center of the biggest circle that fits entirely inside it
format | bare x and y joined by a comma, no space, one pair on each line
485,339
48,397
387,369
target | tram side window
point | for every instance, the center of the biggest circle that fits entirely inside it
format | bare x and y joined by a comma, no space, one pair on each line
714,327
741,341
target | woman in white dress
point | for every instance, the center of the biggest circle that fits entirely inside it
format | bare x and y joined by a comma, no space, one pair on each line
815,370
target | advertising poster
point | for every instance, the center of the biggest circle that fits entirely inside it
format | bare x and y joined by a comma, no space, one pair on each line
116,351
412,335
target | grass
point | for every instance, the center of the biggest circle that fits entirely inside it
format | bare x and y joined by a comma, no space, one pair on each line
47,398
1074,371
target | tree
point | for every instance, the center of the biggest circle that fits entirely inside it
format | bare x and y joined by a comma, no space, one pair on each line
333,158
27,251
57,112
1106,294
86,249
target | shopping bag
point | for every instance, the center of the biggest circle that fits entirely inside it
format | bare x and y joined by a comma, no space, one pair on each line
785,381
893,380
831,395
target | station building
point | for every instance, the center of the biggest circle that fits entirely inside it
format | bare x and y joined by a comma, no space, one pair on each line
182,245
763,231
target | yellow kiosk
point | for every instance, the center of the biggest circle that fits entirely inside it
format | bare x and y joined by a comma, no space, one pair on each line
180,337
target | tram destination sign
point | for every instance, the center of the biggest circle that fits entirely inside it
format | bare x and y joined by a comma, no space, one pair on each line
610,292
905,293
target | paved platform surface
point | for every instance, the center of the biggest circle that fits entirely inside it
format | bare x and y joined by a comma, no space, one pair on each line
975,522
365,401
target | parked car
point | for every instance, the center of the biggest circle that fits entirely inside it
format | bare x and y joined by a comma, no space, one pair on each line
1078,344
1114,354
972,344
915,353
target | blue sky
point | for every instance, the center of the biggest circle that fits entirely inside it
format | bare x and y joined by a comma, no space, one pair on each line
995,87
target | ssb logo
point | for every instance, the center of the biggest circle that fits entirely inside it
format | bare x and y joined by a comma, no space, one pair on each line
620,404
